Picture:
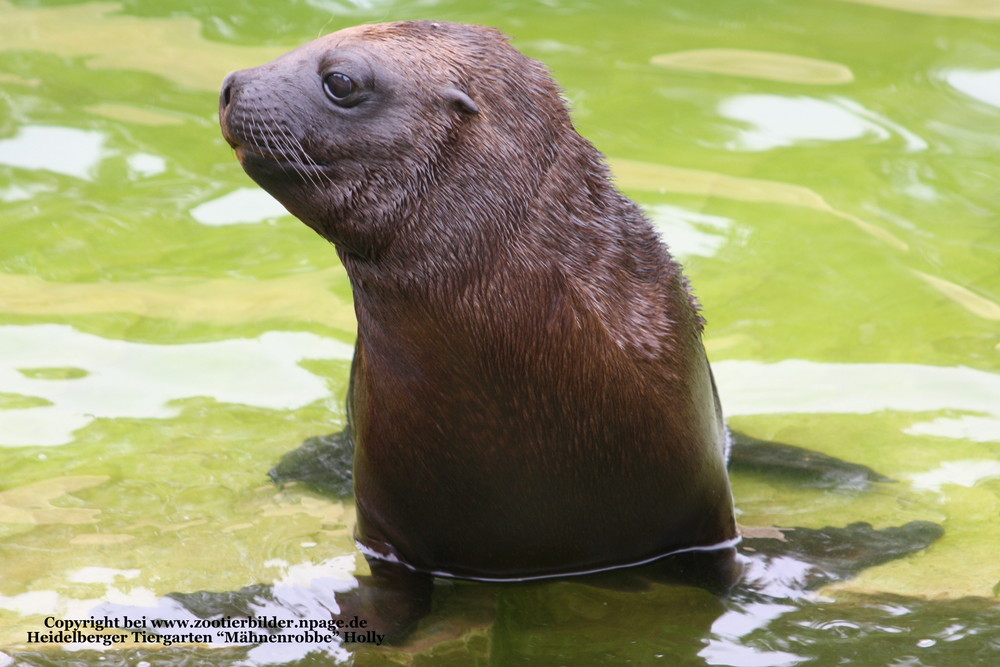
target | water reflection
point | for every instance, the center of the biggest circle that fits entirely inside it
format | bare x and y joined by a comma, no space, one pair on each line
134,115
767,65
297,297
982,85
67,151
99,377
62,150
241,206
776,121
106,38
303,597
637,175
101,575
689,233
146,164
795,386
16,193
139,380
32,503
968,427
963,296
983,9
965,473
727,647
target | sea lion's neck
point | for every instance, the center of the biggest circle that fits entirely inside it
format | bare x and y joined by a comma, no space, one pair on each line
422,268
447,243
446,263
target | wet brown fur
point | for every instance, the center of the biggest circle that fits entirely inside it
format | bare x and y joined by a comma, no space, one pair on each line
530,395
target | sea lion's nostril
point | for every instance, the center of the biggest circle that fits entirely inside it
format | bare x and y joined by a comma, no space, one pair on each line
228,88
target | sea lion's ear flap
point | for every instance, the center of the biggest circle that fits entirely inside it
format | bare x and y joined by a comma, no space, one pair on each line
461,101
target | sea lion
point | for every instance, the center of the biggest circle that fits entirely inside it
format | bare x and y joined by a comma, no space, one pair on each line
530,396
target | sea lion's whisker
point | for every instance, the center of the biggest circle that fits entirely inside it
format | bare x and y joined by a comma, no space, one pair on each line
309,160
278,143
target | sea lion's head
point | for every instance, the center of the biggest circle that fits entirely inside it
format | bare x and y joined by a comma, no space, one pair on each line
370,130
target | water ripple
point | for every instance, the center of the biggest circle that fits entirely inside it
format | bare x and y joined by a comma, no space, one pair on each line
775,121
139,380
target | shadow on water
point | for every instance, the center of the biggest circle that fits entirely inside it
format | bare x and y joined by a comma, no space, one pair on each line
590,623
684,607
543,624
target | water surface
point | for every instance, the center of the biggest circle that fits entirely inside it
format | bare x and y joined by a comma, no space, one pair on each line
827,170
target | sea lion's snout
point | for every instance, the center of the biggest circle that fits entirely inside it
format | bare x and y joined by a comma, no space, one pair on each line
230,91
256,125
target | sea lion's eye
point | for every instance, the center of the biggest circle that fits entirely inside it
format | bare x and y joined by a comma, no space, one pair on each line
338,87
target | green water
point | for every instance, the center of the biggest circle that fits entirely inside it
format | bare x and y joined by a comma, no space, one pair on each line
827,170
